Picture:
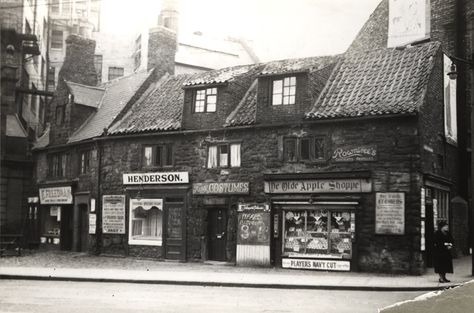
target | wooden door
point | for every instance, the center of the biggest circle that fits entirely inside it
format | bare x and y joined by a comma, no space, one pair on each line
429,232
175,239
217,232
66,227
83,227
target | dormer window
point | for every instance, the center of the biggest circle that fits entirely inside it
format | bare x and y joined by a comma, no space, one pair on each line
205,100
284,91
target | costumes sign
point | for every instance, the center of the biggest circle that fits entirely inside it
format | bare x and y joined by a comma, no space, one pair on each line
325,265
56,195
156,178
390,213
349,185
113,214
221,188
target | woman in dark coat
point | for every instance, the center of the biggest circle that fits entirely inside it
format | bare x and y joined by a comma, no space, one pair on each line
443,260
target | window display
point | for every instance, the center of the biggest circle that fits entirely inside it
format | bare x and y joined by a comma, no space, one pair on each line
318,233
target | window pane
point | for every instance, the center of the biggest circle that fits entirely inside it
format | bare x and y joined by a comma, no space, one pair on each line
199,106
63,165
305,148
293,80
235,155
277,99
277,86
286,100
319,148
148,156
289,149
223,156
159,156
212,157
147,223
211,103
291,100
83,163
169,155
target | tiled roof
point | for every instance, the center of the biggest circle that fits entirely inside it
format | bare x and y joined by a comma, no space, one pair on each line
296,65
245,112
117,94
217,76
159,109
86,95
43,140
386,81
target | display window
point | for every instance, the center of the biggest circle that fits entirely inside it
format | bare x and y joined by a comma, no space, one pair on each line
51,224
322,233
146,222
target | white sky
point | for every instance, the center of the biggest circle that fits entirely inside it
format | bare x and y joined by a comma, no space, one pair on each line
277,28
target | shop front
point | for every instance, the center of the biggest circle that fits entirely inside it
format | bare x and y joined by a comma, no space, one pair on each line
56,217
315,219
220,201
157,205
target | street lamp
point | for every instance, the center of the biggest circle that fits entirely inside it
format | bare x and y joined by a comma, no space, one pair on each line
453,75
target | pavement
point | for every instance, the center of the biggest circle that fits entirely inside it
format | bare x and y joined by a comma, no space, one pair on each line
73,266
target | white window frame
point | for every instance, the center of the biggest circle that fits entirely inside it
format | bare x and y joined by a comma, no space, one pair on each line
205,100
233,156
284,91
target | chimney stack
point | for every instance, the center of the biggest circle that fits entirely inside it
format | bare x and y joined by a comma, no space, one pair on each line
169,15
78,64
161,50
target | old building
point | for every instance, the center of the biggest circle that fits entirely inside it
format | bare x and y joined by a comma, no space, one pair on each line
24,63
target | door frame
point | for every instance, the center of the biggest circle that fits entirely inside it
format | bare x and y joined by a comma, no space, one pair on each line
225,210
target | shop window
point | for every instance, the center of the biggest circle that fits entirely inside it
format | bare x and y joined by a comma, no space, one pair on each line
318,233
146,222
223,155
440,205
85,161
205,100
158,155
115,72
284,91
304,149
57,165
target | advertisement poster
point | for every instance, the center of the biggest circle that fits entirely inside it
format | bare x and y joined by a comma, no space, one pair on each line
113,214
253,224
390,213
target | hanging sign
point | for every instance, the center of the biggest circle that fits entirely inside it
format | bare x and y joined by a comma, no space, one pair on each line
236,188
349,185
56,195
156,178
390,213
113,214
325,265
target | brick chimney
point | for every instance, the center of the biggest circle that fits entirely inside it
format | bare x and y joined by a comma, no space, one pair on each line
161,50
78,64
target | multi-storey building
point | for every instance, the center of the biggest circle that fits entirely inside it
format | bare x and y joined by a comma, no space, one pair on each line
24,63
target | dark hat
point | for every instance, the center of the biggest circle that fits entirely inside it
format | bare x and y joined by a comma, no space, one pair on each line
442,224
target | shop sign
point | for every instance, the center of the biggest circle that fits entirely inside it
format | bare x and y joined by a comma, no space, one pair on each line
156,178
92,223
319,186
113,214
325,265
56,195
234,188
146,204
353,154
253,224
390,213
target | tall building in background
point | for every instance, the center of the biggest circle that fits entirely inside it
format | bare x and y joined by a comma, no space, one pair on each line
69,17
24,66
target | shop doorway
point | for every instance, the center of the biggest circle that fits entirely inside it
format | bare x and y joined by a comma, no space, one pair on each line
429,232
66,227
217,233
83,227
174,246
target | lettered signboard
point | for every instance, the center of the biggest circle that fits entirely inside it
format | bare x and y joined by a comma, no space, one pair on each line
390,213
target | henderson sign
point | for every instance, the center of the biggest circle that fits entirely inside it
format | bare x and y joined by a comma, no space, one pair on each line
156,178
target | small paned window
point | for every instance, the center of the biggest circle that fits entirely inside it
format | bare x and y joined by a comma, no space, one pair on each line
224,155
56,39
304,149
205,100
158,155
57,165
115,72
85,161
289,149
284,91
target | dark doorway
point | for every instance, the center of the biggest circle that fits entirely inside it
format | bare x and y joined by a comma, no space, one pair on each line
83,227
217,232
66,227
429,231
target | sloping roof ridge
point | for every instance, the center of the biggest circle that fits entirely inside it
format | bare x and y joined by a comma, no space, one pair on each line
108,83
85,86
80,128
232,114
150,90
436,47
400,49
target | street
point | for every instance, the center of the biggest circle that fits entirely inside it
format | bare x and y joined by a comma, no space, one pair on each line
72,297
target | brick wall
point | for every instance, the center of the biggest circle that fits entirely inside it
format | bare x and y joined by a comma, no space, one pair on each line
161,50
